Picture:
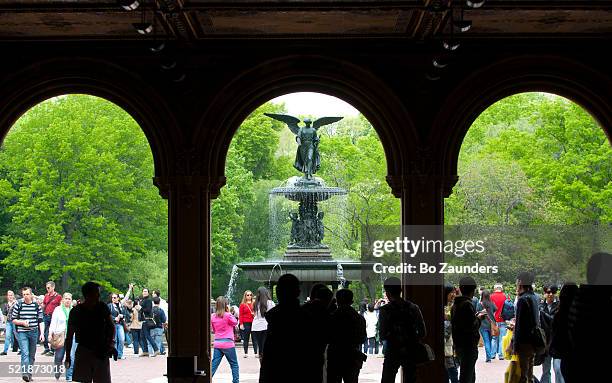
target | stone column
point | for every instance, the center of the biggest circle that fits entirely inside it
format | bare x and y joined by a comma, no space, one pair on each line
189,199
422,196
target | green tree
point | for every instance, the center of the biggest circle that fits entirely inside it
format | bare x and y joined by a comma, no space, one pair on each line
76,183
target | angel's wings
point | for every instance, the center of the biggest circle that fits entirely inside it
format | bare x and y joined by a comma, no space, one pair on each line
292,122
325,121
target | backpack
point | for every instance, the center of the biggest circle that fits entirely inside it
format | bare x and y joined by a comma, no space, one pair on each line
157,316
403,331
507,312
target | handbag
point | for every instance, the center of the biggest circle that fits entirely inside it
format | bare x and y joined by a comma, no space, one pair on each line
423,354
494,329
537,336
57,340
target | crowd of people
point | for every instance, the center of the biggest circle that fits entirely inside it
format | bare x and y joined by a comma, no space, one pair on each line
52,320
556,332
325,339
522,327
329,338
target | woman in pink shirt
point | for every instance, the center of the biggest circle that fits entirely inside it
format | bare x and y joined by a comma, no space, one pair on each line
222,324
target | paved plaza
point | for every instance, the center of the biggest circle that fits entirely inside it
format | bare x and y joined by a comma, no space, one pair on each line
150,370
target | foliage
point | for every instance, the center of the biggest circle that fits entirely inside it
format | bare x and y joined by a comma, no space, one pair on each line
535,159
77,197
77,201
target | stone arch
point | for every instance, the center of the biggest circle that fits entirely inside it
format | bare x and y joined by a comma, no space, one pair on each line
286,75
37,83
570,79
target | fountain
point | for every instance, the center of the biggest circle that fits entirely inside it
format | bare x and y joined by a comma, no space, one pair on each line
306,255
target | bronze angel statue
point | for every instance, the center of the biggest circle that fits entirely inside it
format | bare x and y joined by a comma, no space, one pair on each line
307,159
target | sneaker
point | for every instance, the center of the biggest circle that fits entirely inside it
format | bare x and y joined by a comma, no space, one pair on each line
25,377
155,353
2,353
162,353
145,354
45,352
501,358
19,352
123,357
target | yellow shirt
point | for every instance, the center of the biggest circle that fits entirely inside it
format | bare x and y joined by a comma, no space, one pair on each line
505,343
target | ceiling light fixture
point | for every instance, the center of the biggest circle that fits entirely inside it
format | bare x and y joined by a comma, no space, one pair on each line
463,25
143,28
168,65
431,76
129,5
474,3
158,48
180,77
439,62
450,45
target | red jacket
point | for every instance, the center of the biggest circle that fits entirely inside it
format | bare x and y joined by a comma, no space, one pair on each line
246,313
498,297
51,302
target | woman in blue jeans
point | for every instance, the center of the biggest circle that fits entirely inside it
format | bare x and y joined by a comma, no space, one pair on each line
487,306
222,324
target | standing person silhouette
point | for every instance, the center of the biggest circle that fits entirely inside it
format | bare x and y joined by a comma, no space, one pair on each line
402,326
283,361
91,324
591,306
527,321
318,308
347,330
465,322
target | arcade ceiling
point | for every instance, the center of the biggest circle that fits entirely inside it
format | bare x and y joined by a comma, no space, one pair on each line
195,20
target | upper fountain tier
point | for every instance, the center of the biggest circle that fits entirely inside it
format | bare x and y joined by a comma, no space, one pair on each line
300,189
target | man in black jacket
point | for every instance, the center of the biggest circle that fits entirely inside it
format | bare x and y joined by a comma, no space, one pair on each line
465,322
401,326
347,330
146,317
527,320
548,308
318,309
288,362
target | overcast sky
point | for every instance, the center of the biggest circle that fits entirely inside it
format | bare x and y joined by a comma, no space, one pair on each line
317,104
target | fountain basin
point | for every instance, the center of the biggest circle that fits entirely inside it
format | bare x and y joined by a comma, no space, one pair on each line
323,270
299,190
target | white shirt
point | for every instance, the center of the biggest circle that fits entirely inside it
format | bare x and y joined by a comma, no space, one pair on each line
371,320
58,320
164,306
259,322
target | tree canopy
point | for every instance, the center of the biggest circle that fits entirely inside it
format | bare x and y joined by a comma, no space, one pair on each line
77,201
76,194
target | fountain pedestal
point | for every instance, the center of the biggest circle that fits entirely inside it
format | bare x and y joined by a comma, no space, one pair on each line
305,254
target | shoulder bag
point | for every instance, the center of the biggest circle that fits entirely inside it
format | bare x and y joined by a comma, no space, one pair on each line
494,327
537,335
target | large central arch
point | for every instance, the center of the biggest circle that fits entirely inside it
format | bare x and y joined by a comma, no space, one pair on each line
274,78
